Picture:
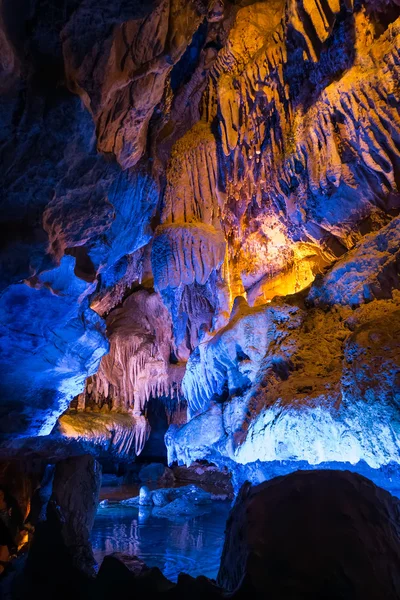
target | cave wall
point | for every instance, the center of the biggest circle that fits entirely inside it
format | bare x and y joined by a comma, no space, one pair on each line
312,377
76,214
175,176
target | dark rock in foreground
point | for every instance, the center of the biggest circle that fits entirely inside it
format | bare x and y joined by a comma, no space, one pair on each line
75,494
60,563
122,576
313,535
120,573
310,535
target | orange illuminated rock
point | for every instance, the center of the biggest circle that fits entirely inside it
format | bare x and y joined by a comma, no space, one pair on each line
161,159
122,76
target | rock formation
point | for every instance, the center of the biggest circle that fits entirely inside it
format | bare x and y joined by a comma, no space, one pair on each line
310,378
200,208
297,536
60,562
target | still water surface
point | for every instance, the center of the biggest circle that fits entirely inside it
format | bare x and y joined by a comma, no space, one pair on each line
189,545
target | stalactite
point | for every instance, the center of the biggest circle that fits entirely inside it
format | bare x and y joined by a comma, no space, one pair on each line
138,366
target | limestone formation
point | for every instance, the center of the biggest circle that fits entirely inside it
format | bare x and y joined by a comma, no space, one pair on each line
303,383
118,59
122,435
200,210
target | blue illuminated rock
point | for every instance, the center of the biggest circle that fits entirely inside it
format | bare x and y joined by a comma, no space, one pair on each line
180,507
160,160
188,495
49,334
289,382
145,497
369,271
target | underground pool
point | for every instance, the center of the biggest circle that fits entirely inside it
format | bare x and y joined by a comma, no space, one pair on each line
183,544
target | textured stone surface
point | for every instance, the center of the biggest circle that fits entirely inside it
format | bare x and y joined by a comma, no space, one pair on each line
119,62
369,271
118,434
288,381
76,487
138,365
324,534
111,412
302,121
60,562
162,159
56,341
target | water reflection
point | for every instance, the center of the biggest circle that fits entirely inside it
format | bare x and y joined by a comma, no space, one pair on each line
187,545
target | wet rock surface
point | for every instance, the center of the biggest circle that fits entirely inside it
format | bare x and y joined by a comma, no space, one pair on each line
172,503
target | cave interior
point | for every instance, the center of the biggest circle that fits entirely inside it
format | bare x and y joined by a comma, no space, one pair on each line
200,289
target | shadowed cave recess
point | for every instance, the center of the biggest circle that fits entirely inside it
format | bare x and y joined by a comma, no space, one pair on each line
200,296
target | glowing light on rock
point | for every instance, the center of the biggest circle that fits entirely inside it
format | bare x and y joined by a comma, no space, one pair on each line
229,155
57,342
118,434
